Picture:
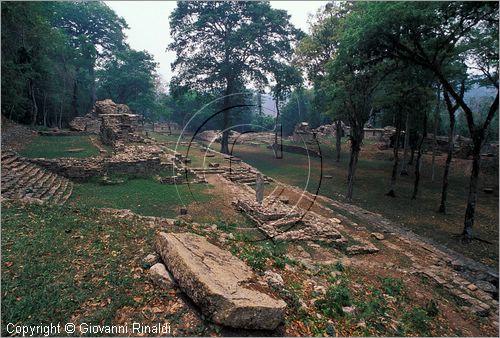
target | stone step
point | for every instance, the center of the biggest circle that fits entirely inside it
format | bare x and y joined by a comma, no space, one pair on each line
48,185
41,182
35,178
7,154
67,194
20,167
10,183
59,192
28,176
50,194
8,161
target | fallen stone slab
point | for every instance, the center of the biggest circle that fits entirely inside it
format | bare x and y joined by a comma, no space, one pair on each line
361,249
223,286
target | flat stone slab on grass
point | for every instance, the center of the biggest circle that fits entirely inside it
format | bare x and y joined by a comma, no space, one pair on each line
75,150
219,283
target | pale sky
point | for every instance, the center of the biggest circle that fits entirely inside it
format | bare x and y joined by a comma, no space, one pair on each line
149,30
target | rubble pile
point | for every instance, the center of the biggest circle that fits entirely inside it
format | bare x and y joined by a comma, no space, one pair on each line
281,221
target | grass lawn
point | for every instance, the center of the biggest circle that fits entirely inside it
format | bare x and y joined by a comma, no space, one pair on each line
75,264
371,184
60,146
144,196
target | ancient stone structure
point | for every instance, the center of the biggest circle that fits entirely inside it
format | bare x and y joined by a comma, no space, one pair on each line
88,123
223,286
30,183
131,160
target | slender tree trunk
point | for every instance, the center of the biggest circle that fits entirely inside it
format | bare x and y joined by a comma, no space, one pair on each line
34,107
412,154
227,104
434,136
353,162
74,101
419,156
338,138
444,191
472,196
45,109
93,95
394,174
10,111
404,172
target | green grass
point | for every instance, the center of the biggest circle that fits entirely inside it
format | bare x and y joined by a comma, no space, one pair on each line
51,273
141,195
58,146
76,264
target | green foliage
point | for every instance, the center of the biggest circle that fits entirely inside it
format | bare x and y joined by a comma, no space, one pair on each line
418,321
257,256
393,287
339,266
129,77
49,51
337,296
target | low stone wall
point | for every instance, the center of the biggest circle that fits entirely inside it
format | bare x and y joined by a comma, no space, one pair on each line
84,169
73,168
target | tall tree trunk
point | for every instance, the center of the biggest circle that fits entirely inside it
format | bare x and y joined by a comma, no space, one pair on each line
444,191
93,95
404,172
45,109
356,136
394,173
412,154
451,133
225,131
338,138
34,107
472,196
353,162
434,136
74,101
478,136
419,156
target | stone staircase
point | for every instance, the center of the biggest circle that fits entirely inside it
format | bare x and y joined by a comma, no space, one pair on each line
27,181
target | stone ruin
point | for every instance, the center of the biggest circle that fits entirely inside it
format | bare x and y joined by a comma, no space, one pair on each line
115,123
118,124
236,137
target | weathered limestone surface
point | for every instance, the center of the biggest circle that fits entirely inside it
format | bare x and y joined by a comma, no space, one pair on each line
219,283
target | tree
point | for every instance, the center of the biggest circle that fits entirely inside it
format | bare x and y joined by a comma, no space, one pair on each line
95,33
432,35
352,87
222,44
315,51
129,77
